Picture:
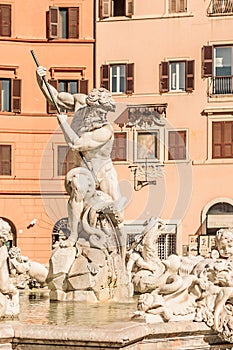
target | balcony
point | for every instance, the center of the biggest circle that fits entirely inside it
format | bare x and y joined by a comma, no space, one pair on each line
221,85
220,7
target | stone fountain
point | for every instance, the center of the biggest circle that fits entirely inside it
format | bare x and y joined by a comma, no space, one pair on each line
183,302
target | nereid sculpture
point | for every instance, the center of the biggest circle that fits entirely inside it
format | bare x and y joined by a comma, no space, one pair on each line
195,288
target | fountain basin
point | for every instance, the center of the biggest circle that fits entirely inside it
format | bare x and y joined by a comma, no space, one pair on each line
121,335
45,325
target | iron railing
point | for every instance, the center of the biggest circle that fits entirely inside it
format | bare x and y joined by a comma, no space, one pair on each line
220,7
221,85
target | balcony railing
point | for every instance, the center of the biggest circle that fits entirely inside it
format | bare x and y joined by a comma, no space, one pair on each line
220,7
221,85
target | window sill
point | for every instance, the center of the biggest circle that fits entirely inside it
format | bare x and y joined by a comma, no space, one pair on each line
121,162
178,161
178,14
220,14
220,98
213,161
5,177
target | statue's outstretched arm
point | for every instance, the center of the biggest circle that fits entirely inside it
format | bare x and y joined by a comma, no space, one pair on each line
64,100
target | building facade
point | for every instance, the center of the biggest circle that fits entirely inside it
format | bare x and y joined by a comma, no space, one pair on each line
169,65
33,153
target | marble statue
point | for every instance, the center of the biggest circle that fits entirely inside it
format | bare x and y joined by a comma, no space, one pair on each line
96,248
25,272
144,266
198,289
9,295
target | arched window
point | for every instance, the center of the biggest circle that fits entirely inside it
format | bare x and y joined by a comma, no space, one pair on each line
13,240
60,229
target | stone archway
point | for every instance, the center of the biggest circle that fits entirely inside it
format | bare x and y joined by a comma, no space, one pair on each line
216,214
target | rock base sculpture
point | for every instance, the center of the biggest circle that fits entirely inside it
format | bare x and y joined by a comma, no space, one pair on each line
83,273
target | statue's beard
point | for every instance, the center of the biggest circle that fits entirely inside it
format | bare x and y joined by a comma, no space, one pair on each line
87,119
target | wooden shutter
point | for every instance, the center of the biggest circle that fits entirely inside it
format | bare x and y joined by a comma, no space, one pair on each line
164,77
5,20
216,139
51,109
129,78
16,95
104,8
189,86
177,145
207,61
105,76
222,139
73,22
83,86
172,6
227,139
182,6
53,22
5,160
119,147
129,8
65,160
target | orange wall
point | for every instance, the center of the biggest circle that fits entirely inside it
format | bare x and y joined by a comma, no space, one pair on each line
34,190
149,37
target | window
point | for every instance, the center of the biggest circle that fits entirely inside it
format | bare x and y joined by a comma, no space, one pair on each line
217,64
118,78
147,145
166,245
10,95
177,145
5,20
220,7
119,146
5,160
222,139
175,6
61,230
114,8
71,86
65,160
177,76
63,22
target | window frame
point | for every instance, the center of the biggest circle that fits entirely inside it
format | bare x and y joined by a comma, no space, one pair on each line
106,77
54,23
222,144
209,70
160,148
165,78
11,145
14,90
56,168
5,24
177,4
115,160
186,159
215,116
106,9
